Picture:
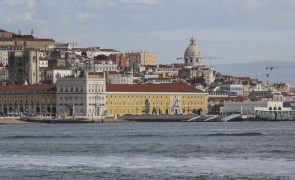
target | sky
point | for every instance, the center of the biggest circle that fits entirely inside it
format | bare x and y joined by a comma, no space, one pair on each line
233,30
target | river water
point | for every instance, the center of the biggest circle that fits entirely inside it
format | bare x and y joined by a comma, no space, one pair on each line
232,150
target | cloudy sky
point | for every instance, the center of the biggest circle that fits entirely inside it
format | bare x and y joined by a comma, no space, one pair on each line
237,30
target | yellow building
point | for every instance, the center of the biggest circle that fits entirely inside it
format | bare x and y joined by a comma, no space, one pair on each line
157,99
28,100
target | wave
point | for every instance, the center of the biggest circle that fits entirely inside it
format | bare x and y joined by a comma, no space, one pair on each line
141,135
146,135
36,136
138,163
237,134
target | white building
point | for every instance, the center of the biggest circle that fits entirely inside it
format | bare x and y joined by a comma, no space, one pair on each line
245,107
204,71
81,96
159,81
192,54
237,89
64,45
117,78
4,57
193,67
3,73
169,69
275,110
4,53
43,63
95,51
101,66
54,74
151,76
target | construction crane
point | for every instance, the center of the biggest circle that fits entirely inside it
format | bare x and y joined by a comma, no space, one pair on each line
202,58
269,73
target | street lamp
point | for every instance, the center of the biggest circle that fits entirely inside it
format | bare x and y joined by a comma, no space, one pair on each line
73,112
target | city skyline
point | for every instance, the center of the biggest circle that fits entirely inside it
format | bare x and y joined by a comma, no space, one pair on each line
238,31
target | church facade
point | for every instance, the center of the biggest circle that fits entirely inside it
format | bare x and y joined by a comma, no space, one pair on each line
193,66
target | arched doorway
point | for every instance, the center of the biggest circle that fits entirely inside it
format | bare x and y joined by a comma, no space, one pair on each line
5,111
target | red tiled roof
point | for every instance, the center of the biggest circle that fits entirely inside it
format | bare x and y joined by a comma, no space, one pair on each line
27,88
150,66
152,88
165,65
113,72
178,65
35,39
242,78
28,39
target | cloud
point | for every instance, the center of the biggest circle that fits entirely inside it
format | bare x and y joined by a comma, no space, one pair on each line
16,11
141,2
123,2
27,16
86,15
27,3
236,29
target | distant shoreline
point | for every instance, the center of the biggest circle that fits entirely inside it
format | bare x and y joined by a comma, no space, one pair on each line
25,120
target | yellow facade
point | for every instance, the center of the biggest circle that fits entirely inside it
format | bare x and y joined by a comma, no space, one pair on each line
29,100
142,58
158,103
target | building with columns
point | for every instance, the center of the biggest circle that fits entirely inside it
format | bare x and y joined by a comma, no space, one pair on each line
155,99
193,66
192,54
28,100
81,96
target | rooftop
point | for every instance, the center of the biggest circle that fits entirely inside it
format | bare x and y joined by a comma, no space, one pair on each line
27,88
1,30
173,87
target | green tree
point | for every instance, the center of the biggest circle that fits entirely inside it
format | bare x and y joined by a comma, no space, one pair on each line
146,109
195,111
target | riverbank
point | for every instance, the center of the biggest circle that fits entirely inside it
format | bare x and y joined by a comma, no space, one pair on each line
28,120
12,120
124,119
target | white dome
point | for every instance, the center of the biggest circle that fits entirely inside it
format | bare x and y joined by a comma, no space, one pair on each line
192,54
192,49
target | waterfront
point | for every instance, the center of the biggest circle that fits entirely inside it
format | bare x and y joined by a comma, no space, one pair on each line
232,150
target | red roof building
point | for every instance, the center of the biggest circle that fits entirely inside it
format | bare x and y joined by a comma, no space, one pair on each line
177,88
27,88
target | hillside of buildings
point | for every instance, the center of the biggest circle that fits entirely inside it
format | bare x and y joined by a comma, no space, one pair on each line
40,76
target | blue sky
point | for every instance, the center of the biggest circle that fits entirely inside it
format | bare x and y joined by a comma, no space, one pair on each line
237,30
